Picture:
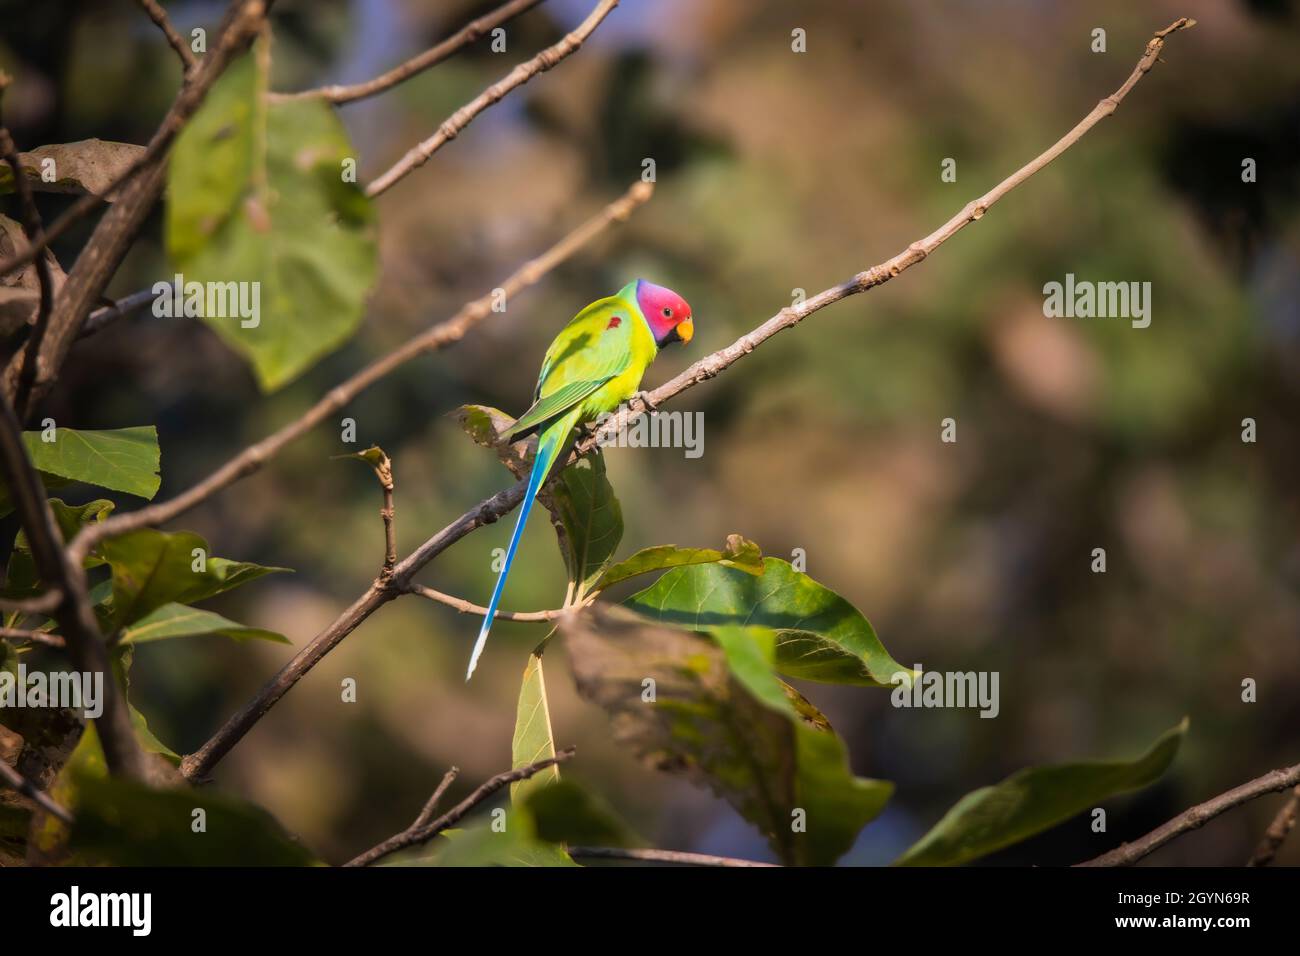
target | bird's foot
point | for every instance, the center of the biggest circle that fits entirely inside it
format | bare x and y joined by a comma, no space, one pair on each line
647,401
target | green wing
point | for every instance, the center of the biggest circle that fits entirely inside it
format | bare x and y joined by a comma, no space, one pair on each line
555,404
587,353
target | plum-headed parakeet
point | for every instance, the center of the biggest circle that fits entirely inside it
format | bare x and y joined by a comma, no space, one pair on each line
593,366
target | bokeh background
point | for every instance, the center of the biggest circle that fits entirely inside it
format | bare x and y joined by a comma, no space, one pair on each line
776,171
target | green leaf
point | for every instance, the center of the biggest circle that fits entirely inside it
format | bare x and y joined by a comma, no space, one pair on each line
121,459
820,636
567,813
153,568
21,578
257,195
1033,800
739,553
128,824
178,620
532,740
585,513
590,517
721,717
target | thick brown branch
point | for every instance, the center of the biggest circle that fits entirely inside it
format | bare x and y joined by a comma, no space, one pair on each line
74,613
470,33
443,334
159,16
16,781
491,509
417,834
1129,853
452,127
1277,831
659,856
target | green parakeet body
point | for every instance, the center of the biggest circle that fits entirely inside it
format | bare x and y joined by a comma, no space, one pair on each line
593,366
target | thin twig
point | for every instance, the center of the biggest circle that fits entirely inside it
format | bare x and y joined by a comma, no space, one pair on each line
660,856
1277,831
159,16
438,336
452,127
40,604
383,467
465,607
16,781
415,835
493,508
431,806
1129,853
36,637
470,33
109,313
74,613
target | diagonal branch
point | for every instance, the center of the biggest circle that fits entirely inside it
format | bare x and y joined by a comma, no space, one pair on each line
1277,831
74,613
418,155
468,34
15,781
438,336
417,833
1129,853
491,509
159,16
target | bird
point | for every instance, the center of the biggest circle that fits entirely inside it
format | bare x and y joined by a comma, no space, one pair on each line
594,365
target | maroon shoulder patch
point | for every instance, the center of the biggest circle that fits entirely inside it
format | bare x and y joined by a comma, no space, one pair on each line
614,323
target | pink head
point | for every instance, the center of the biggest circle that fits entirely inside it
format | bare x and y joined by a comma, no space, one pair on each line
666,312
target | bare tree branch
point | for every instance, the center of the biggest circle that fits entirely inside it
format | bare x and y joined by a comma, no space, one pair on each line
417,834
36,637
1277,831
443,334
74,613
15,781
418,155
1129,853
470,33
465,607
493,508
159,16
40,604
660,856
431,806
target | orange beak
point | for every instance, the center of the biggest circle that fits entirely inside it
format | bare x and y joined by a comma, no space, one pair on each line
686,330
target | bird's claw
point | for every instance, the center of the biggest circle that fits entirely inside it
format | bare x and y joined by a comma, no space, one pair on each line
647,401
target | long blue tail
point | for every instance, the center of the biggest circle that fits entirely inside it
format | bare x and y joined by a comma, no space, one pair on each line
547,447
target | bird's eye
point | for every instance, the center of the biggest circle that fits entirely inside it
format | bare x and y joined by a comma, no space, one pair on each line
668,313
